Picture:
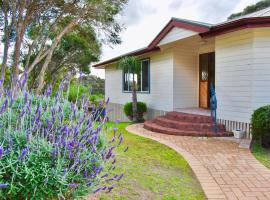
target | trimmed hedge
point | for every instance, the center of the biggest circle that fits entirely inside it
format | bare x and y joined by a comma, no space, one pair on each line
260,123
141,109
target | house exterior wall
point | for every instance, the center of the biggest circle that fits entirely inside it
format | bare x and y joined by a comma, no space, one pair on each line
234,60
185,76
160,98
242,75
261,68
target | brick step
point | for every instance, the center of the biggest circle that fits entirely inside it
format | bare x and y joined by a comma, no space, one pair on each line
184,117
176,124
152,126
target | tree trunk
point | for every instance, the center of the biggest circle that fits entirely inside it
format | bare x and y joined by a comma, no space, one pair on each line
134,101
50,54
20,30
7,31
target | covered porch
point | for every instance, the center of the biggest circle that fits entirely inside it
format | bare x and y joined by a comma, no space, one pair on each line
193,74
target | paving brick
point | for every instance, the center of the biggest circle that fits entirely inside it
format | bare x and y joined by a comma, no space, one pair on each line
224,170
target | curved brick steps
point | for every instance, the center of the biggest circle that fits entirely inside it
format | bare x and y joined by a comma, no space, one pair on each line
183,124
184,117
189,126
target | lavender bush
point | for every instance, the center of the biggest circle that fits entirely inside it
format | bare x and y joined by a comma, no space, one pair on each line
51,148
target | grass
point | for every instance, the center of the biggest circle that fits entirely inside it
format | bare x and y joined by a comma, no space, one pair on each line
262,154
152,171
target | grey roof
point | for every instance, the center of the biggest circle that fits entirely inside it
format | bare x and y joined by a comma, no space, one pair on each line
261,13
208,25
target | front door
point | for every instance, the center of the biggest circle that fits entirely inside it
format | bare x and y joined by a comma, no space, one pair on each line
207,77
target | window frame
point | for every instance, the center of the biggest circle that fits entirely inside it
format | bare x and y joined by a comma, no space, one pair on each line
139,92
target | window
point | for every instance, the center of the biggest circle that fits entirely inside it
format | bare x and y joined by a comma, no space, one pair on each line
142,78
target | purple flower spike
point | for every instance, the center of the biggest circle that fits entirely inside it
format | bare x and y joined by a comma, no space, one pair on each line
105,175
1,152
23,154
121,140
3,186
110,189
97,190
126,150
120,177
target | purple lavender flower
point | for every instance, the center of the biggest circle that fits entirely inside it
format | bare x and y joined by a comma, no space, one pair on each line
1,152
121,140
110,189
105,175
23,154
126,150
97,190
3,186
120,177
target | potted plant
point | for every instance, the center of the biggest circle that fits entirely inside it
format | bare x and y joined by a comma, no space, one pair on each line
238,134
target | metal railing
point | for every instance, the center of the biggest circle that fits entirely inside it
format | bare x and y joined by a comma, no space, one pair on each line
213,106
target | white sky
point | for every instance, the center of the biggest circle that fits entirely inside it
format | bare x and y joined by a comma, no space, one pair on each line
144,19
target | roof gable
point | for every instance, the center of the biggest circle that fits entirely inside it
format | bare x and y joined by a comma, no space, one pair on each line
194,26
176,34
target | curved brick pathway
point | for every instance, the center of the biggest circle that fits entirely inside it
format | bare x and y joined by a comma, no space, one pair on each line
224,170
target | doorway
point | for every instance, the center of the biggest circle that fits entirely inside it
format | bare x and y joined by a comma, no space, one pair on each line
207,77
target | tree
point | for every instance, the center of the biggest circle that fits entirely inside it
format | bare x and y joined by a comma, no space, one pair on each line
132,64
75,52
55,19
252,8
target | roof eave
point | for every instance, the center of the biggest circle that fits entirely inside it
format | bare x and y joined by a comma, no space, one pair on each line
102,65
240,24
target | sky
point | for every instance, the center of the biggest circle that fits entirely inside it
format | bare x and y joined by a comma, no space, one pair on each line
144,19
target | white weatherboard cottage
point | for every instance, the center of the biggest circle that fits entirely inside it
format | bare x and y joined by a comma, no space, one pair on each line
187,56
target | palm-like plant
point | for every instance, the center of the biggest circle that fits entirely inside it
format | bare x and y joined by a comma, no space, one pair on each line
133,65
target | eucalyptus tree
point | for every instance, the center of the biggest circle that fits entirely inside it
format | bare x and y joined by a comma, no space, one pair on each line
54,19
132,65
75,52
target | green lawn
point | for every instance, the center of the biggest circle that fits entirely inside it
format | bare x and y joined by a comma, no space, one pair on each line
263,155
152,171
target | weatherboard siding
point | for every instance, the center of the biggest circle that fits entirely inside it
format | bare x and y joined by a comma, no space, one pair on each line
234,64
261,67
176,34
160,97
186,77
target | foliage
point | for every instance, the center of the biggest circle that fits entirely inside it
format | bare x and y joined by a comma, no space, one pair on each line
75,52
260,122
262,154
252,8
152,171
52,148
38,28
141,109
132,65
97,84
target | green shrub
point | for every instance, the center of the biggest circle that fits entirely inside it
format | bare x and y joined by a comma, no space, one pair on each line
76,92
260,123
51,148
141,109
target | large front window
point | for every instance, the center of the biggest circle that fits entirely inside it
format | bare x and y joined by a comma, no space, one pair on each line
141,79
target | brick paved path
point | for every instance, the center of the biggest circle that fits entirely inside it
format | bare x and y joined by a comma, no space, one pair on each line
224,170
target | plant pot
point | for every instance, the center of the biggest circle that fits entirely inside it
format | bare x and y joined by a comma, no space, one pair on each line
238,134
266,140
